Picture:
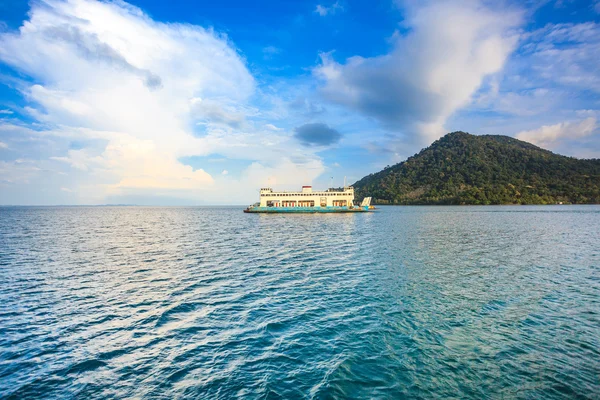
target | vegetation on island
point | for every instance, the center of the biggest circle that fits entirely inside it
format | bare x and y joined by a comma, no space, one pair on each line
461,168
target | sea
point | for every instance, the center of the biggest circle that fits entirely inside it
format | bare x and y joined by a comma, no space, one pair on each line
211,303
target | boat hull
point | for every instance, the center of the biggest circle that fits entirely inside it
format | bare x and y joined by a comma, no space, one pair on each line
306,210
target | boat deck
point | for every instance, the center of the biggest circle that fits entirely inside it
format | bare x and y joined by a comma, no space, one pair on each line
276,210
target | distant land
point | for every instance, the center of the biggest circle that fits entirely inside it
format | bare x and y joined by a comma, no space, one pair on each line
461,168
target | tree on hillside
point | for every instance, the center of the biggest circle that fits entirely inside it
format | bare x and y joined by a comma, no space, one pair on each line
467,169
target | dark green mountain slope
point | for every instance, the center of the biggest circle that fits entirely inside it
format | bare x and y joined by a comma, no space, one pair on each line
467,169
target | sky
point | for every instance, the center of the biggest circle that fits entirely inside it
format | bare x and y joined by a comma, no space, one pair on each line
200,103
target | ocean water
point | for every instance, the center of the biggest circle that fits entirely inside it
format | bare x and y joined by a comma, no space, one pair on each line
211,303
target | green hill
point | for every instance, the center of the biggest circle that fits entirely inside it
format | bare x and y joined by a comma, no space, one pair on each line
468,169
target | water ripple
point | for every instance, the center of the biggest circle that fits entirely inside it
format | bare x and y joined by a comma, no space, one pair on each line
409,302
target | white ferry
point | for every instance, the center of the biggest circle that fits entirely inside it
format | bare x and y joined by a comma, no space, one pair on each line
309,201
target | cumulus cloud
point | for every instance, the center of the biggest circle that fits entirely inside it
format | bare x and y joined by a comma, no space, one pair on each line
316,134
104,72
548,135
89,46
215,112
431,71
78,159
111,72
324,10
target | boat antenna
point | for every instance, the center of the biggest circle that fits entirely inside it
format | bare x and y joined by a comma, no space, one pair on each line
331,186
344,182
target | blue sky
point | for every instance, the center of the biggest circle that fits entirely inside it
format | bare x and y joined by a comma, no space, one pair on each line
179,102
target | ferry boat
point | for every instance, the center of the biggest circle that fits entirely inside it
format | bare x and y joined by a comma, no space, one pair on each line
309,201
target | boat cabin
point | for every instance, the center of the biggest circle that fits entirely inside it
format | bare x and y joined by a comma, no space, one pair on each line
308,198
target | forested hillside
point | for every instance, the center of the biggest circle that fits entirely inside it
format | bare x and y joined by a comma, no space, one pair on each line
468,169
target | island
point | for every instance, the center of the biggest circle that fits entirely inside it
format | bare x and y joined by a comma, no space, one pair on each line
465,169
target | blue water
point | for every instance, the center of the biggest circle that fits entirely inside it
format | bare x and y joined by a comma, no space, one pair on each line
212,303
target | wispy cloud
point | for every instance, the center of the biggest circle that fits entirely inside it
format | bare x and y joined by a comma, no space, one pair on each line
553,81
270,51
564,54
329,10
6,112
272,127
431,71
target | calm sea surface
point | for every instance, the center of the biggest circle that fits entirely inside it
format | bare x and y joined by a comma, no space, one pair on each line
211,303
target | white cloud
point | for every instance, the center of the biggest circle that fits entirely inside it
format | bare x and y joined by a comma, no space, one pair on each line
324,10
287,174
78,159
432,71
526,102
3,145
272,127
548,135
270,51
6,112
552,78
214,111
125,78
224,172
563,54
12,172
106,72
